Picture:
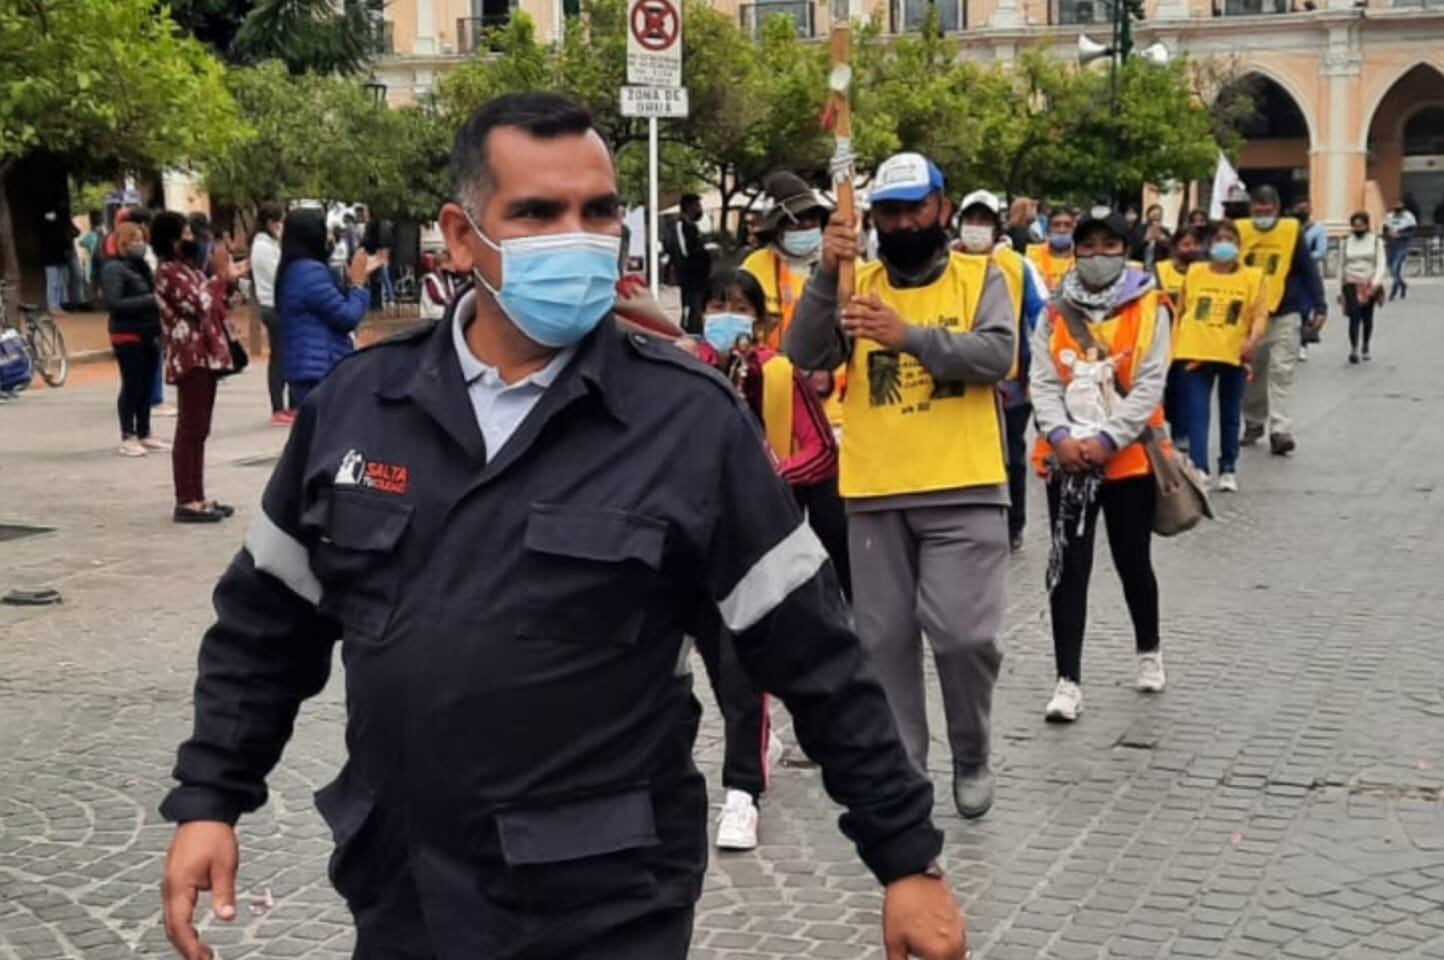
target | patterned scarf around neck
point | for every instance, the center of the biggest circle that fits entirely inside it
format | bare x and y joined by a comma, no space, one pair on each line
1094,301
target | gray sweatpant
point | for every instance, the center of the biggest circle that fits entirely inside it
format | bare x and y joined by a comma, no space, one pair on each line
936,572
1266,398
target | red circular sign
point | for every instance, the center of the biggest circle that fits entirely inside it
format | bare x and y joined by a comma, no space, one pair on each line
655,24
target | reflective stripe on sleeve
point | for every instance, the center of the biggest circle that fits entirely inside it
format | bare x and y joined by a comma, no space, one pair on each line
276,552
784,568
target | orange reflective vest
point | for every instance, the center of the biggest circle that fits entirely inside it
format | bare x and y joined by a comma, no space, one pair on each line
1127,335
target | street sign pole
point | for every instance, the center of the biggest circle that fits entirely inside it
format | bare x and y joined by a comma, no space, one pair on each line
654,239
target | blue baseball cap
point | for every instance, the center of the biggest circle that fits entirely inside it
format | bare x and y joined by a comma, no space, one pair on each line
906,176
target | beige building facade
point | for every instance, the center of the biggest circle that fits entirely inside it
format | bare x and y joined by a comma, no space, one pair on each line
1351,92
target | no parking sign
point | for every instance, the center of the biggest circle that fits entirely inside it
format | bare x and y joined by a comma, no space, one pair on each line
654,43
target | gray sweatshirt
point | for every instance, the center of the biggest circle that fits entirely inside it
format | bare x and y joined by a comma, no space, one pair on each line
980,356
1131,414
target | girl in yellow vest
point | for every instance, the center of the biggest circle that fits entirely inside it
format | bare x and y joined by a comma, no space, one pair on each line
1105,315
802,445
1223,314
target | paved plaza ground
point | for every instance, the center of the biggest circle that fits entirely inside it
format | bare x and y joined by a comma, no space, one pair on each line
1282,799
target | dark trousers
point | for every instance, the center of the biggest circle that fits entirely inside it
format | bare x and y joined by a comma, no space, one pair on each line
1127,507
1361,316
694,301
828,518
138,364
1175,403
1017,419
275,372
745,721
157,382
1198,383
196,397
300,390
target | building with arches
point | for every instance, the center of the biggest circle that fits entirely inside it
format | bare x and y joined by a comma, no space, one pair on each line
1350,92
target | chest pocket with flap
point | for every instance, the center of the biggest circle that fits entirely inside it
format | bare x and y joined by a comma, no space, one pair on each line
589,572
358,563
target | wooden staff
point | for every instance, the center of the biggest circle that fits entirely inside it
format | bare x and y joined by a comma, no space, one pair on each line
839,113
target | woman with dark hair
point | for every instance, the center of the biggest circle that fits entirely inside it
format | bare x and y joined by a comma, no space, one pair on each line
197,355
129,288
316,319
1365,272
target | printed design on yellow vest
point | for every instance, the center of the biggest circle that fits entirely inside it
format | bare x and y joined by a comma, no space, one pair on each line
884,378
1271,251
1228,315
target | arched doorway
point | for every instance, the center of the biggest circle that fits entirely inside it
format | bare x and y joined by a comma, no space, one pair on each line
1406,143
1276,138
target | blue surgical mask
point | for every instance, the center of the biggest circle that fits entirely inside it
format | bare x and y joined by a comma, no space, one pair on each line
1223,251
555,287
723,330
1265,223
1060,242
802,244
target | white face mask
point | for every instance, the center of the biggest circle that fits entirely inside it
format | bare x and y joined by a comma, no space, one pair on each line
976,238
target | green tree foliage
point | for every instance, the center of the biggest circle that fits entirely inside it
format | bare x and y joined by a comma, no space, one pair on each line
326,138
307,35
108,82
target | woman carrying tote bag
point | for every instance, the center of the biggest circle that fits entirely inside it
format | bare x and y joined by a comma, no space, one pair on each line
1365,271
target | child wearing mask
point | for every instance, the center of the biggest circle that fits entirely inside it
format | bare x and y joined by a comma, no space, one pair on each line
1222,316
801,441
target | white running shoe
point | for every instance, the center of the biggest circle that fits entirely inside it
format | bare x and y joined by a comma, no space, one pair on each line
155,445
1150,673
1067,702
737,827
131,447
1228,482
1303,354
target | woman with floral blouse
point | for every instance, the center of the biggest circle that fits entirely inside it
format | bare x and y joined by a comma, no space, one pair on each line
197,355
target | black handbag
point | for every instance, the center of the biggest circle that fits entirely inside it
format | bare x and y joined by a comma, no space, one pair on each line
240,359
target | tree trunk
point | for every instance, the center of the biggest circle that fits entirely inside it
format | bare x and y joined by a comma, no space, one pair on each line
10,266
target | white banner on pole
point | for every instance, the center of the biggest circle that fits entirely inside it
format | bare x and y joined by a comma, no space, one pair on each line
654,43
654,101
1225,178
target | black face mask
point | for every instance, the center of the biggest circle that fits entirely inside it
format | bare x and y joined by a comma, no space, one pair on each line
911,250
1360,231
1186,256
190,251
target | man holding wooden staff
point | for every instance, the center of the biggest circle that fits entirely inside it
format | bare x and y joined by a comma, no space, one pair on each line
927,335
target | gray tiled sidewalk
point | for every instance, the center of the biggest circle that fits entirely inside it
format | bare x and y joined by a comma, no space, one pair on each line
1282,799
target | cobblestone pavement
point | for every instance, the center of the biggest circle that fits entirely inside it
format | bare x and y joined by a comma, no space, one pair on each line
1282,799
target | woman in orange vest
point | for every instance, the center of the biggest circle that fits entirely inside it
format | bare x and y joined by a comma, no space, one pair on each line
802,444
1100,361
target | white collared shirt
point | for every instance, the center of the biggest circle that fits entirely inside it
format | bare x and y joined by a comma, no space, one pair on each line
500,407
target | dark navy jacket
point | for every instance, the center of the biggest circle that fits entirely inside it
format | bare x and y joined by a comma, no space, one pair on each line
520,713
316,320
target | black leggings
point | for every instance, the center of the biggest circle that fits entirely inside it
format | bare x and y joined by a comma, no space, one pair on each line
828,519
139,363
275,369
1127,507
1017,419
1361,316
743,707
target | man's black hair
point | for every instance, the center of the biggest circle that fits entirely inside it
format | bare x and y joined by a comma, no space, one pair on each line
542,115
1265,193
268,214
690,199
140,215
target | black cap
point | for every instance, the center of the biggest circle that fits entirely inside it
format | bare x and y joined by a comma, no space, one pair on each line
1104,216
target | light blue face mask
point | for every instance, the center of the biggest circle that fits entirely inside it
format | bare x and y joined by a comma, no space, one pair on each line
802,244
1060,242
555,287
723,330
1265,223
1223,251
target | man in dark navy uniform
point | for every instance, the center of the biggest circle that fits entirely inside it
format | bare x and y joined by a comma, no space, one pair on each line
506,522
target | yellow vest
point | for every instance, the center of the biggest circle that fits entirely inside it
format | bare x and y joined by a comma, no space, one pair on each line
777,405
1272,252
1010,264
1170,280
902,432
1050,265
1217,313
781,285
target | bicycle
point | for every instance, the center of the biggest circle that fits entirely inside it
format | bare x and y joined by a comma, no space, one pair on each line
43,339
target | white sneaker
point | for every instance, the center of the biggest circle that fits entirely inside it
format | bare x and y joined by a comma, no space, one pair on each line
1150,673
737,827
131,447
1228,482
154,444
165,410
1067,702
1303,354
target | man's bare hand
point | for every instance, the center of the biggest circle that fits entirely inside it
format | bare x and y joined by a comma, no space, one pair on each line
839,244
1069,453
921,919
1093,451
203,856
869,317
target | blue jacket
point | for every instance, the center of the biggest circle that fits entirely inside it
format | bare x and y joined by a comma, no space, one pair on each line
316,320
